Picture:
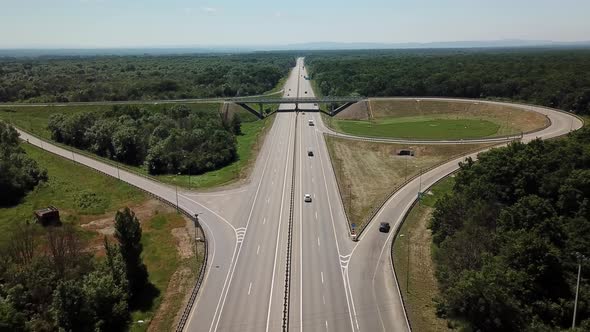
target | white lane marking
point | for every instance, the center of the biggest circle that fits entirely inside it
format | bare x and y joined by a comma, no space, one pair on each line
257,250
322,273
249,288
312,180
324,299
316,215
274,268
344,271
318,241
300,232
222,298
326,325
264,221
240,234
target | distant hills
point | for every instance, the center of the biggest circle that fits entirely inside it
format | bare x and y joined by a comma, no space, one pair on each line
312,46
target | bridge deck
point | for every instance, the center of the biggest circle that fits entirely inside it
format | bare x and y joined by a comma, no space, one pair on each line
300,100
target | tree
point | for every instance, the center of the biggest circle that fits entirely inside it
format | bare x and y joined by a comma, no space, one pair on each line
128,233
18,173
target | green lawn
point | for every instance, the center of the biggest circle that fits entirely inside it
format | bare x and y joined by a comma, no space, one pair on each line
420,289
418,127
74,189
34,119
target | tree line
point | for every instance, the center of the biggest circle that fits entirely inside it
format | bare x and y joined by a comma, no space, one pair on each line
19,174
508,237
50,283
105,78
549,77
166,141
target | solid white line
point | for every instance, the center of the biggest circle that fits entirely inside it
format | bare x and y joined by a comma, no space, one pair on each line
322,276
233,269
249,288
350,313
257,250
272,282
300,232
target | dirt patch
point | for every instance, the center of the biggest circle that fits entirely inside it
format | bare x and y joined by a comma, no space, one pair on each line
512,119
357,111
105,224
183,242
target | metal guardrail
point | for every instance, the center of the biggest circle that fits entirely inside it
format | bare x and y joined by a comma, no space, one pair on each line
195,291
287,295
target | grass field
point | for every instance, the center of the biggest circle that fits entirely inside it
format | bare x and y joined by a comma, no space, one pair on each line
416,127
435,119
88,198
34,119
367,172
421,287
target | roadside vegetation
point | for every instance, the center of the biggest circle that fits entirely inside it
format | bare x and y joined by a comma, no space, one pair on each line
113,78
508,238
64,276
548,77
36,120
435,119
417,280
368,172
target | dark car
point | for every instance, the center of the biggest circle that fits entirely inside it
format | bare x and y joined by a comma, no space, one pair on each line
384,227
310,153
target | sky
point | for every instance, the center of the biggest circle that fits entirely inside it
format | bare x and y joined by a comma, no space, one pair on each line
173,23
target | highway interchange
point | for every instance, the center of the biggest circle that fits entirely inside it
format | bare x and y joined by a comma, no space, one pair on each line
335,284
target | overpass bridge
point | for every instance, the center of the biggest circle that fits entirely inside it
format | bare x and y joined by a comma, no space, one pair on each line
299,102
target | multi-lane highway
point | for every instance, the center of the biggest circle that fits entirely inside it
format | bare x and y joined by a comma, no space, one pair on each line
333,284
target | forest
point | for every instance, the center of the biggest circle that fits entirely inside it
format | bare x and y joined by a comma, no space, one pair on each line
19,174
171,140
50,282
113,78
549,77
510,235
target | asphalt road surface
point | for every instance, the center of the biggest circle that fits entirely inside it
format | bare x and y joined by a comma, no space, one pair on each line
335,284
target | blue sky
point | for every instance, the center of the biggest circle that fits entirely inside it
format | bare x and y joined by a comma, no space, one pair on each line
136,23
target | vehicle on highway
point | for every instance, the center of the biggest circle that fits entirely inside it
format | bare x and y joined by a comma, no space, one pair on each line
384,227
310,152
310,122
307,198
316,105
305,92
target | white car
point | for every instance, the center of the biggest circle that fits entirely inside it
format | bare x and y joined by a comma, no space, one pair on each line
307,198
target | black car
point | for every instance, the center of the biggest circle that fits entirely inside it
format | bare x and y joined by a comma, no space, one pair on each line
310,153
384,227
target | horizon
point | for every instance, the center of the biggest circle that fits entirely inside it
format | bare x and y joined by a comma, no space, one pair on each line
99,24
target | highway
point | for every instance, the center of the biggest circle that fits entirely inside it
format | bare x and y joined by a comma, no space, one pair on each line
334,284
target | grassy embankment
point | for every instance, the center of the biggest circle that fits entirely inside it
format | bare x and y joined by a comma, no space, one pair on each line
418,284
432,119
368,172
35,119
89,200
